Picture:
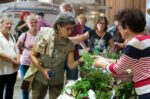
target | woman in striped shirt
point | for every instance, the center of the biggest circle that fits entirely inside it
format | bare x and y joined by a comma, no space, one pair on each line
136,54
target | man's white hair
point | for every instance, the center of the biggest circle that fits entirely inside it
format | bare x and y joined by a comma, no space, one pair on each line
65,4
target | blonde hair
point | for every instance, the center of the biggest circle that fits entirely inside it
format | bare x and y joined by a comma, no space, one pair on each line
3,19
83,16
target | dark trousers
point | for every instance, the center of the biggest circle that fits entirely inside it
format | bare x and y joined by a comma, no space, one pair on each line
145,96
23,70
71,74
7,83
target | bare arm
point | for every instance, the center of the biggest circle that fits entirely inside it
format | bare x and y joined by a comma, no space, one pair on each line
21,27
79,38
120,45
83,45
111,44
7,58
34,59
20,46
17,61
71,62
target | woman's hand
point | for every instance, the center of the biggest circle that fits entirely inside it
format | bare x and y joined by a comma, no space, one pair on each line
45,73
16,63
100,61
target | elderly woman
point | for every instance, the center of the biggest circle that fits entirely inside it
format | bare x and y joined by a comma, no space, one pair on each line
9,59
25,44
48,56
136,54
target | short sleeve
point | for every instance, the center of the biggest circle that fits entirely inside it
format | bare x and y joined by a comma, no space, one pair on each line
22,37
70,46
91,32
16,28
108,36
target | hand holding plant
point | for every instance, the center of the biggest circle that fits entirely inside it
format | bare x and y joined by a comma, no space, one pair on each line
100,62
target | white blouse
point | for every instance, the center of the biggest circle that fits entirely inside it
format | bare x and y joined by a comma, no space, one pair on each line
8,48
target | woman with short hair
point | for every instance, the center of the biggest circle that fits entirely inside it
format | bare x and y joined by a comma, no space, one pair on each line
25,43
48,55
136,55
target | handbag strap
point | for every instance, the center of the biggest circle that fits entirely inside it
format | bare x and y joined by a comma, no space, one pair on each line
99,42
12,38
24,40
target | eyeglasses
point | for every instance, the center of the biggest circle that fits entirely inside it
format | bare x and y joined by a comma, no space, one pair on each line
101,23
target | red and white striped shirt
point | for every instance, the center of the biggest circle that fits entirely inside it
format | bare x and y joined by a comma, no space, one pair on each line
137,58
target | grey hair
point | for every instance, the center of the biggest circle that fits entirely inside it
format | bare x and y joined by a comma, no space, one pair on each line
64,4
63,19
31,17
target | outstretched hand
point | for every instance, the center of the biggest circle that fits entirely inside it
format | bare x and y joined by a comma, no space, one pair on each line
100,61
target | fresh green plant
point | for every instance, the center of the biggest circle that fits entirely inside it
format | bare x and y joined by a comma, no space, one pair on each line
112,55
93,78
96,51
99,81
125,90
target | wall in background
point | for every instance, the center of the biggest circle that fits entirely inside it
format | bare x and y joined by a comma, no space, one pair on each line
117,5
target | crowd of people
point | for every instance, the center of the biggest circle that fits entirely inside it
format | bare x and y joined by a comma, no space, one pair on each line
48,56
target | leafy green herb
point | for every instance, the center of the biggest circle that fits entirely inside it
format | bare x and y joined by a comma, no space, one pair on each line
99,81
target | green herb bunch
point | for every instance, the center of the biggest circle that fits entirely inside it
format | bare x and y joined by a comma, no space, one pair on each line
93,78
112,55
99,81
125,91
